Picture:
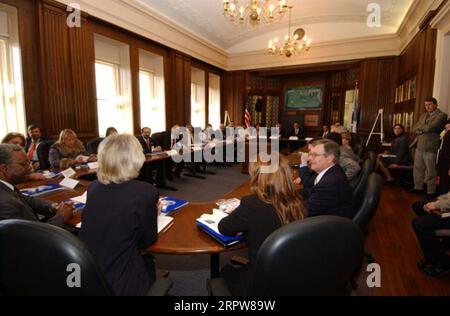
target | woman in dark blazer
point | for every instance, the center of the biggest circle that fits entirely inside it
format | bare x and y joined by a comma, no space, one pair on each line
120,217
399,149
274,203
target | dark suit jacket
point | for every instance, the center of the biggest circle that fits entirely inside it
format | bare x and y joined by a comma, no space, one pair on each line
14,205
144,144
331,196
300,134
255,219
119,221
29,141
400,148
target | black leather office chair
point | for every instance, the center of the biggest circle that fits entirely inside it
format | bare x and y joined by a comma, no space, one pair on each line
92,145
34,259
360,185
372,156
369,203
43,153
315,256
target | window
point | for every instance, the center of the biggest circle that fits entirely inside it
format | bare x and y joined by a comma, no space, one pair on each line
113,85
198,110
12,111
152,92
214,101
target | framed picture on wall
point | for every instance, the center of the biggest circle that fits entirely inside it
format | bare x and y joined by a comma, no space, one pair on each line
311,120
304,98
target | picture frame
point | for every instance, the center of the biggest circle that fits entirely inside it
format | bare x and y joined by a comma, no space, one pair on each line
311,120
304,98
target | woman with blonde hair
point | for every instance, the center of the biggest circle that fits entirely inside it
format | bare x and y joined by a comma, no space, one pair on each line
120,217
68,151
274,202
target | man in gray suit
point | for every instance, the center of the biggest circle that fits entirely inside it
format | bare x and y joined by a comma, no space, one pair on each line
427,131
14,169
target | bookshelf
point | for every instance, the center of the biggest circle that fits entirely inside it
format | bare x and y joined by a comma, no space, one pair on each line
405,99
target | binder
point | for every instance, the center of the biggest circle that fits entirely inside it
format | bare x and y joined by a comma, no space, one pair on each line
169,204
209,224
42,189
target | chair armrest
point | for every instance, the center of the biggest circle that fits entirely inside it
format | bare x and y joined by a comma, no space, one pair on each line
239,260
160,287
217,287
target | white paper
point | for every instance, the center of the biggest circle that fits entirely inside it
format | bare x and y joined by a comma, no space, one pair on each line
164,222
172,152
445,215
308,139
69,183
78,225
68,173
293,138
80,199
93,165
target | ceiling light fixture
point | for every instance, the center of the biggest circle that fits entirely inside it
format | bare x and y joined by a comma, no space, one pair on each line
293,45
256,11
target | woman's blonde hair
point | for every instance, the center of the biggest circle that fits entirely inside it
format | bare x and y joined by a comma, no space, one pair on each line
120,158
78,147
277,189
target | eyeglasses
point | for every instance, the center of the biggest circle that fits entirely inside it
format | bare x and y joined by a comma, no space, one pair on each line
314,155
25,164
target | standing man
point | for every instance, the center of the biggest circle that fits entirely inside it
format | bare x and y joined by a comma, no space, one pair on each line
33,141
427,131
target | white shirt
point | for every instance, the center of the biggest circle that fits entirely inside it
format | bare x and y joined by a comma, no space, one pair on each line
320,175
9,185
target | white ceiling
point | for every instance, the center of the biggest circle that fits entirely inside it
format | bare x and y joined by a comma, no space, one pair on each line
323,20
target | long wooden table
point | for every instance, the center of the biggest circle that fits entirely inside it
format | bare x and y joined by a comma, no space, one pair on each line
183,238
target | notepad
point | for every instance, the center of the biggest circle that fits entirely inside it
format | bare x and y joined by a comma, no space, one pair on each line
169,204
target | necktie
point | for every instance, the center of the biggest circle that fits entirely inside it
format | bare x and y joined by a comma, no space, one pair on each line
31,151
148,143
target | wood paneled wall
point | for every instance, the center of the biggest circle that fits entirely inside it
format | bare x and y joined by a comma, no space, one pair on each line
59,74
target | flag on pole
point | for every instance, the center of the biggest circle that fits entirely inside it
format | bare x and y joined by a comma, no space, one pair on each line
356,110
247,117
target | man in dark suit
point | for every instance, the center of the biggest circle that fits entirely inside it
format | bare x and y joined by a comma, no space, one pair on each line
14,169
148,144
297,131
33,140
327,192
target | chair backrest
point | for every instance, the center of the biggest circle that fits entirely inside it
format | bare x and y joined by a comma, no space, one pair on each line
315,256
92,145
35,257
43,153
372,156
370,201
162,139
359,188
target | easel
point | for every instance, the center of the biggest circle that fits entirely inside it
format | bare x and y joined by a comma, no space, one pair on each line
379,115
226,118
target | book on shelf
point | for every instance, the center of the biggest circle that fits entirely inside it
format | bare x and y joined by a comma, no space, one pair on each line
169,204
209,224
42,189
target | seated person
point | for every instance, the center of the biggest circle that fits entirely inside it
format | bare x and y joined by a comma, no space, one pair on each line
34,139
436,262
120,217
68,151
347,162
335,133
19,139
15,139
399,148
14,168
149,145
346,148
326,191
110,131
325,130
274,202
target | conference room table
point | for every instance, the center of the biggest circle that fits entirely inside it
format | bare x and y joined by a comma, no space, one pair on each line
183,237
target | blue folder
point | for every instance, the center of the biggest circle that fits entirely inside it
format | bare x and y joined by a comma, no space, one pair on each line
225,241
172,204
43,189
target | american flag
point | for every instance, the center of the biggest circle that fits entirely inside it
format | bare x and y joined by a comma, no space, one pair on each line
247,117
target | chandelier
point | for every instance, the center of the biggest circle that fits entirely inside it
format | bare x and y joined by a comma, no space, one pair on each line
293,45
255,11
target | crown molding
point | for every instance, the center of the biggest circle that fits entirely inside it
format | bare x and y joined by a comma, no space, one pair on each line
442,20
375,46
